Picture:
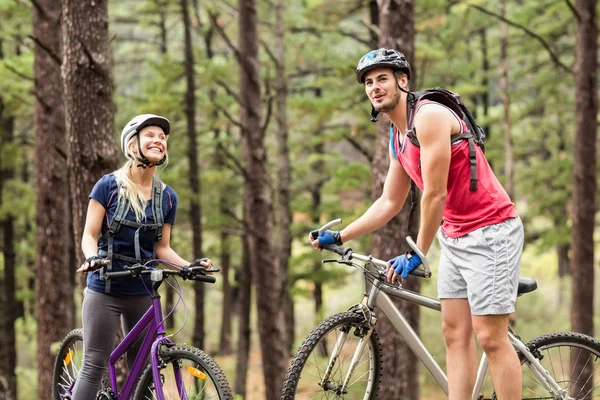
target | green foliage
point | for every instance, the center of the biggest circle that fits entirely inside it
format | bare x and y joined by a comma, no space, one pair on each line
325,107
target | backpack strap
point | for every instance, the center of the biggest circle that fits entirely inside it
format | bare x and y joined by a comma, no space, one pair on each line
115,225
157,211
413,186
393,141
455,105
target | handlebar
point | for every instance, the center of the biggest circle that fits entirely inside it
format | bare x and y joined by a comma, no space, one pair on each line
348,253
157,275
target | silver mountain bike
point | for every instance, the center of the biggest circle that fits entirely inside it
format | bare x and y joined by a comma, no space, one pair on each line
342,357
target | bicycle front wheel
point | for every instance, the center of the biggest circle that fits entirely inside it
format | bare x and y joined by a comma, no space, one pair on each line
67,365
572,361
186,373
321,368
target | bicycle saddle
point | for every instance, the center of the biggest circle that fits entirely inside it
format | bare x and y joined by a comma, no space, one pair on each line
526,285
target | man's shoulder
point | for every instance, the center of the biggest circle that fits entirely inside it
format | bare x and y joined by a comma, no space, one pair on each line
431,110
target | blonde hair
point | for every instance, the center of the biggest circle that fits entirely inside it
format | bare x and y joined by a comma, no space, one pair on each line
129,189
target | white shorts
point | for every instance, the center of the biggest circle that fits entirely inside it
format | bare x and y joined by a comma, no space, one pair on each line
483,267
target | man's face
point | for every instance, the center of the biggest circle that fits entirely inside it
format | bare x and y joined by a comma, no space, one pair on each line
382,89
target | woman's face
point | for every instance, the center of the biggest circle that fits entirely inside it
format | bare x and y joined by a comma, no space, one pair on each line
153,142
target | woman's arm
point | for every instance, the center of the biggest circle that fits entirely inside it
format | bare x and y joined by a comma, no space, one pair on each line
165,252
91,231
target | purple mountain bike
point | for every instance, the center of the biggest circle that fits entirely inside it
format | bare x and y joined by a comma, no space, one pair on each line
174,371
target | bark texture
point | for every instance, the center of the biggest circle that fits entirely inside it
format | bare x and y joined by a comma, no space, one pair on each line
53,283
584,172
400,380
259,208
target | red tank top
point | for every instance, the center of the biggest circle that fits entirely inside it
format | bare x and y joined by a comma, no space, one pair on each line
465,210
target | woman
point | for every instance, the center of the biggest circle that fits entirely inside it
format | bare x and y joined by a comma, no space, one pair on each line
132,212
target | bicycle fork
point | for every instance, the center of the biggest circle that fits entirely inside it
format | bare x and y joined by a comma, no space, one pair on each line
335,354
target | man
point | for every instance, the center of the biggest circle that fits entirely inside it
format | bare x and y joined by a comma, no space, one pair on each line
481,236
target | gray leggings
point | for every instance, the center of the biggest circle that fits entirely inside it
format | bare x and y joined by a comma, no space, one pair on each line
101,314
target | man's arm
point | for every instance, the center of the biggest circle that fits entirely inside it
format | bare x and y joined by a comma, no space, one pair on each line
434,125
395,189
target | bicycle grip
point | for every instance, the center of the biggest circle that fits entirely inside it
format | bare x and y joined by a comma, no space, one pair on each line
204,278
118,275
420,273
334,248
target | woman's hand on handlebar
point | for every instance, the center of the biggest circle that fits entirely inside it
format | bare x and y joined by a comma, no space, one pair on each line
93,263
203,262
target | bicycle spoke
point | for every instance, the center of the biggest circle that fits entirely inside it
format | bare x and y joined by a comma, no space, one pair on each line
343,332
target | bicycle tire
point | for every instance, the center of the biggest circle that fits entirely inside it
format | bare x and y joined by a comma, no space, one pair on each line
196,367
555,350
302,364
67,365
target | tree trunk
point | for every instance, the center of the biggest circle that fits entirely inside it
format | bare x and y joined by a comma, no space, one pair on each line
225,346
259,208
315,211
564,261
508,142
400,380
283,171
245,302
226,205
169,292
194,174
584,172
485,97
8,318
89,109
53,278
318,266
374,16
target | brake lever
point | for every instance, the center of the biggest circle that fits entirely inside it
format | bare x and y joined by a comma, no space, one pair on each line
335,260
136,269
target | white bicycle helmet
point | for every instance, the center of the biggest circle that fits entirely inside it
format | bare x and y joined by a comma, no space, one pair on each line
134,126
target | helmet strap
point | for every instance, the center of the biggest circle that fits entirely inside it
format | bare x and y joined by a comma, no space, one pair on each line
374,114
409,97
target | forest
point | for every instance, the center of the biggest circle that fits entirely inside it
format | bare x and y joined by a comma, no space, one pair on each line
271,138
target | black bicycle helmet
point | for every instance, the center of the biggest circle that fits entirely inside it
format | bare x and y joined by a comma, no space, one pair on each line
381,58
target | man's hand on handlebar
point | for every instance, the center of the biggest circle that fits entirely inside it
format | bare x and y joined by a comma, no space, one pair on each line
402,266
93,263
326,237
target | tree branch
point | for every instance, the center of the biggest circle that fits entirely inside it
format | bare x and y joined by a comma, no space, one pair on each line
364,151
230,92
529,32
232,161
318,33
221,32
270,53
304,72
574,10
354,36
19,74
229,116
230,213
48,51
269,110
46,106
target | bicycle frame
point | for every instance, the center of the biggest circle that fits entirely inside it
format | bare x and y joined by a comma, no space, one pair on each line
152,321
379,296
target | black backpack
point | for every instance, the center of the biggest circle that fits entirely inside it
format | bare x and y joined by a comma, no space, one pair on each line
475,134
